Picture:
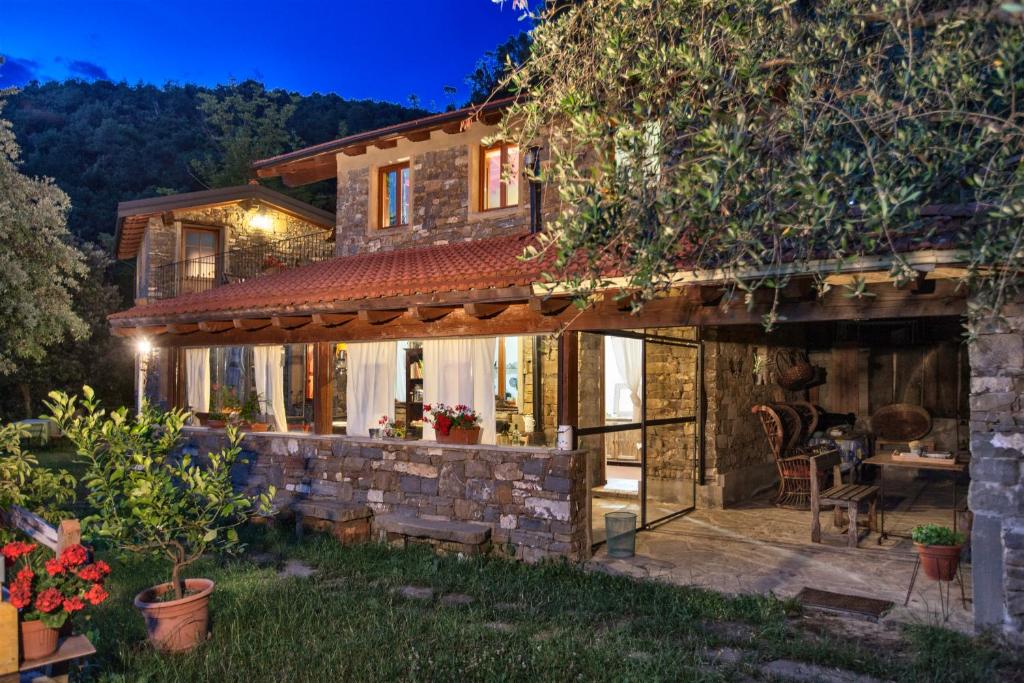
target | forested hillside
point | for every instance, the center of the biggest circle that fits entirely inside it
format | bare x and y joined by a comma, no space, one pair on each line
106,142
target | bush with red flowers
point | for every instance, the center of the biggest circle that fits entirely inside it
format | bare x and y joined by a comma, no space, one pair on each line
53,589
443,418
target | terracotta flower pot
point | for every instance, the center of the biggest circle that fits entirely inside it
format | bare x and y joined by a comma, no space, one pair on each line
260,426
460,435
202,418
215,424
939,562
37,640
176,625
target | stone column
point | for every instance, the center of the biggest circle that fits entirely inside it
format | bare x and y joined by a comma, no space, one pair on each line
997,488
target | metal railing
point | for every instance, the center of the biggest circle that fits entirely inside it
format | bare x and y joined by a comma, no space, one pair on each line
236,265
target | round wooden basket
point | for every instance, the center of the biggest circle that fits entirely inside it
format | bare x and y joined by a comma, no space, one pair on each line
792,370
901,422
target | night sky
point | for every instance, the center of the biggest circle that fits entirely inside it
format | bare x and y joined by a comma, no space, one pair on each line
375,49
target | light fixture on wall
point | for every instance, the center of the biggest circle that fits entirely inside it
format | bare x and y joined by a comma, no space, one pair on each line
260,219
143,346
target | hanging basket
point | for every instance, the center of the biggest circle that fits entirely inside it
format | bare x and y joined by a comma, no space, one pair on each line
792,370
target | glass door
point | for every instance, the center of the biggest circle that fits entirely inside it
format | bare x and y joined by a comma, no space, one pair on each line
638,400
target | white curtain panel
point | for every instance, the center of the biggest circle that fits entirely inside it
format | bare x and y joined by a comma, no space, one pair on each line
197,379
627,354
461,371
268,367
370,391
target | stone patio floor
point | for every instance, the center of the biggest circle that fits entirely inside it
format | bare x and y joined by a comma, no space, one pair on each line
758,548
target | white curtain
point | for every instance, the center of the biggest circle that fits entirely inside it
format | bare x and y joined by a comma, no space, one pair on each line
627,355
370,392
268,367
197,379
461,371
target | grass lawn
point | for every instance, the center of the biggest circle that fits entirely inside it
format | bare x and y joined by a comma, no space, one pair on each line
349,621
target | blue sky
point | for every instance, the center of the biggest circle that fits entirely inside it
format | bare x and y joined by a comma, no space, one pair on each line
376,49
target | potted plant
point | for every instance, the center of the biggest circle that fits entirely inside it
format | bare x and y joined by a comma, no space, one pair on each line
459,424
272,264
939,549
151,501
49,590
251,414
389,429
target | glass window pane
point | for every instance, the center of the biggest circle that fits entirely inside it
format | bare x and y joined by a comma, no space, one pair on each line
405,195
512,186
492,178
391,201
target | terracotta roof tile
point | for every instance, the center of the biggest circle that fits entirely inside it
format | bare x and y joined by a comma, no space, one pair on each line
461,266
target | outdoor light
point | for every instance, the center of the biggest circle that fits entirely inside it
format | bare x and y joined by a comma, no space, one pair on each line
143,346
261,220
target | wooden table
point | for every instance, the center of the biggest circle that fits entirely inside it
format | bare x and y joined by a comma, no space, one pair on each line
885,461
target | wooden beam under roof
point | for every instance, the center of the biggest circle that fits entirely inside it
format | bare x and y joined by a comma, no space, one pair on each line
182,328
215,326
428,314
290,322
251,324
485,310
552,305
332,319
390,143
354,150
379,317
417,135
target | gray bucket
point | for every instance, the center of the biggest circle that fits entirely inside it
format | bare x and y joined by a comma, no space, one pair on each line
620,533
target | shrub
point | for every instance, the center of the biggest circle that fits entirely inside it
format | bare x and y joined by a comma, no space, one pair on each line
23,482
147,499
933,534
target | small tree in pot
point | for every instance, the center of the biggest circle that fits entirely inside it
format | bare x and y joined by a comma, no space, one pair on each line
150,501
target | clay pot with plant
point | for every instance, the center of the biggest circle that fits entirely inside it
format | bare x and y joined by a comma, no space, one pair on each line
454,424
251,414
939,549
148,500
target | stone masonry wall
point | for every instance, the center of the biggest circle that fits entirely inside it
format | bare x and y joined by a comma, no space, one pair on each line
997,475
534,499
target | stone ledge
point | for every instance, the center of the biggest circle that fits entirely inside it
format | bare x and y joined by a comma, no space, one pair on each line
468,533
332,510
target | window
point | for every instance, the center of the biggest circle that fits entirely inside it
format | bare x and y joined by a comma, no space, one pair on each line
499,189
199,251
394,195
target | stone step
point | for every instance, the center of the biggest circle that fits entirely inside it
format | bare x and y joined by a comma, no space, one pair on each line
331,510
468,533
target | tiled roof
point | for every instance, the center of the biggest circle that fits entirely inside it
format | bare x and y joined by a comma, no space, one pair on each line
461,266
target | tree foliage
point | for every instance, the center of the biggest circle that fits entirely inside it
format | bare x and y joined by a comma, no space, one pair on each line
39,268
761,136
490,76
23,482
147,498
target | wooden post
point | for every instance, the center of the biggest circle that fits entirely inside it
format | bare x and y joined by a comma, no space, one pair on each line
568,380
323,388
8,642
69,533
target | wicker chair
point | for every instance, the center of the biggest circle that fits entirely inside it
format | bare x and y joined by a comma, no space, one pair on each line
784,429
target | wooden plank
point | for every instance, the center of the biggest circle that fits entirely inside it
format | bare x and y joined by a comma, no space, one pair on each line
485,310
386,144
354,150
251,324
32,525
323,388
332,319
568,379
182,328
75,647
290,322
9,633
417,135
845,396
376,317
215,326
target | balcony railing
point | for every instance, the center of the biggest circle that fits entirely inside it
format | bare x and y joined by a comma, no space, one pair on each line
236,265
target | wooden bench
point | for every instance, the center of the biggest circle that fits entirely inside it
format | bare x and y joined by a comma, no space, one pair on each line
67,533
840,495
463,538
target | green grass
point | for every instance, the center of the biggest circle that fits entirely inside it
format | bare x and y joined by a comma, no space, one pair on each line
545,622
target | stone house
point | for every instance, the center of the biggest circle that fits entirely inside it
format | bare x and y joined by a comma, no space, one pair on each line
422,297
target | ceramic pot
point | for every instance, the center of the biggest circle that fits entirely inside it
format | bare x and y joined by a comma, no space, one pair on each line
260,426
37,640
215,424
176,625
939,562
460,435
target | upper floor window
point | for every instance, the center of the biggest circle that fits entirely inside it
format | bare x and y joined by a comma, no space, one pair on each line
498,189
199,248
394,195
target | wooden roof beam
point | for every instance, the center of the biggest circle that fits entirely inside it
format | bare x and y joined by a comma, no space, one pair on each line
379,317
251,324
332,319
386,144
427,314
484,310
354,150
552,305
290,322
456,127
216,326
417,135
182,328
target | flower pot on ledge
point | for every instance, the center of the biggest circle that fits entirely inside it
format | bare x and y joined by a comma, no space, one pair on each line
939,562
37,640
460,435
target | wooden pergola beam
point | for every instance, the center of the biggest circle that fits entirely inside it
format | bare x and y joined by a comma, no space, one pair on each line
250,324
332,319
484,310
429,314
550,305
216,326
182,328
290,322
379,317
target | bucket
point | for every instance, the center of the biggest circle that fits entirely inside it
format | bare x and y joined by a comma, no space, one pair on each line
620,532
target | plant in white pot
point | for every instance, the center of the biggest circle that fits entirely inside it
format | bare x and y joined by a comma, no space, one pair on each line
148,500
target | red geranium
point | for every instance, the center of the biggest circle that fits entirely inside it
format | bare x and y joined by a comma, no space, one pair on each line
91,572
15,549
445,418
49,599
96,594
54,566
73,604
74,556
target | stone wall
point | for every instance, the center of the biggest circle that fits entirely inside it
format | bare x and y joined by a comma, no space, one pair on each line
997,475
548,388
533,498
738,461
